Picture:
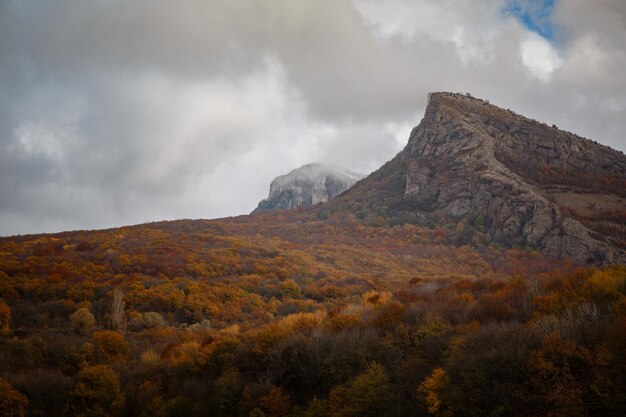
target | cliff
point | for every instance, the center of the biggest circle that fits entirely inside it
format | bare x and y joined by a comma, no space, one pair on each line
308,185
525,183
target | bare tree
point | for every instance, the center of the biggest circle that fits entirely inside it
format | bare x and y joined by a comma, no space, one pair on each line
588,312
118,315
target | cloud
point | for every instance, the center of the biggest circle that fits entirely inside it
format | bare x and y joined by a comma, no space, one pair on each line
121,112
539,57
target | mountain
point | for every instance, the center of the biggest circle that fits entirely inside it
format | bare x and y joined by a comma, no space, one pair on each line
523,183
399,297
308,185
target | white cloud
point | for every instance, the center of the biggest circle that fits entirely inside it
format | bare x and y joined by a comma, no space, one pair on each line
539,57
470,27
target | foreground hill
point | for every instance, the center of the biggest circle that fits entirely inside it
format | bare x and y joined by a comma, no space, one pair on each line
308,185
520,181
234,262
293,313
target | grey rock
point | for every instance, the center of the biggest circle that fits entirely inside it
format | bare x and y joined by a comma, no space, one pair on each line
469,157
308,185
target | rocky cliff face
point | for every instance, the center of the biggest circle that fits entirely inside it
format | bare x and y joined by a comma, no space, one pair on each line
307,186
526,183
469,157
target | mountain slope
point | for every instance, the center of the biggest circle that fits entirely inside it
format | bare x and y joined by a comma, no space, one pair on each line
521,181
284,308
308,185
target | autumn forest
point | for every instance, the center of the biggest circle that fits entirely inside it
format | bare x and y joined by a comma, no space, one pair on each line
304,313
304,208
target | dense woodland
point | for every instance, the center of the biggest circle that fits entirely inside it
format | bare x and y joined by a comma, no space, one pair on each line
304,313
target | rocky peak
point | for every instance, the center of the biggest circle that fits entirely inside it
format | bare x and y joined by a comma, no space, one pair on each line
308,185
527,183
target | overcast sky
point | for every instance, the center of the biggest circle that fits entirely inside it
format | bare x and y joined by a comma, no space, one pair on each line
126,111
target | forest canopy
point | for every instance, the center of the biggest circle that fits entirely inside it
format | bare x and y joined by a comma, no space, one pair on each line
287,315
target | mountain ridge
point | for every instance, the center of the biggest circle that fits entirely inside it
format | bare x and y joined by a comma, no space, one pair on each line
469,160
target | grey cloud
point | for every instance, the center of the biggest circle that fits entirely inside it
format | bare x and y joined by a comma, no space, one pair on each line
126,111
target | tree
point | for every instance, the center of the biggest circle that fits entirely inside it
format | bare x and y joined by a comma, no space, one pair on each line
82,321
109,346
147,320
12,402
290,289
228,390
432,388
316,408
180,406
118,315
368,394
5,316
276,403
97,393
7,291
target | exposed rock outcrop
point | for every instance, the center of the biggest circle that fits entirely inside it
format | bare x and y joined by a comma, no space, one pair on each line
525,180
469,157
308,185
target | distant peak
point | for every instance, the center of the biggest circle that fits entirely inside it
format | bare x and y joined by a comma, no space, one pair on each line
308,185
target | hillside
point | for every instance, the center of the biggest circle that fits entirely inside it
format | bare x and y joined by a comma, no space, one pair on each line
289,314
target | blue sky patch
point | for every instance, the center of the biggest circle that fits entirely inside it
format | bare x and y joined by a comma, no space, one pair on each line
534,15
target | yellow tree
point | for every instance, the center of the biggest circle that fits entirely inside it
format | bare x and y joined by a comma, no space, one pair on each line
82,321
97,393
109,346
432,388
368,394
